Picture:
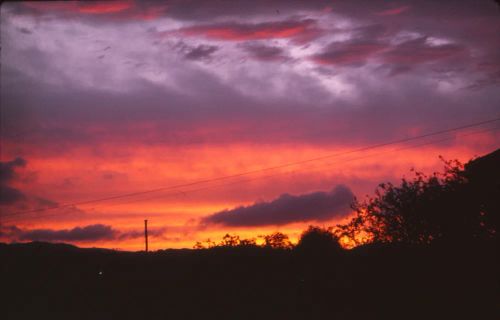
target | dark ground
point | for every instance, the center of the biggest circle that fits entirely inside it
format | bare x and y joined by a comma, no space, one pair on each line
57,281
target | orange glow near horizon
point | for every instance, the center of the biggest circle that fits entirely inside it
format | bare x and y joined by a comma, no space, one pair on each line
82,175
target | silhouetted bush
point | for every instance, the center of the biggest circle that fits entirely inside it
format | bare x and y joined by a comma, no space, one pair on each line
316,240
228,241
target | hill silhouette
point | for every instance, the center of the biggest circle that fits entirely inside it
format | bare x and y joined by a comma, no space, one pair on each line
454,275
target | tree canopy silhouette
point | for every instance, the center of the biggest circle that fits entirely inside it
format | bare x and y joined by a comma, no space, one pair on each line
460,204
277,240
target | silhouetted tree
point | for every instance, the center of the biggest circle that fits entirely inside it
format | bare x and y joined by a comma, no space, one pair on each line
230,241
449,206
208,244
483,187
248,242
198,245
277,240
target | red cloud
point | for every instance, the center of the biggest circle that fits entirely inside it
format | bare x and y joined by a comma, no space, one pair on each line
118,9
393,12
104,7
241,32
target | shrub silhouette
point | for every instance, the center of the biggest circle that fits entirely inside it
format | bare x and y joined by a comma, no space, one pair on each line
316,240
228,241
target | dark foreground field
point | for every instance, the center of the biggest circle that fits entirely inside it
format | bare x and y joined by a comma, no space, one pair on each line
56,281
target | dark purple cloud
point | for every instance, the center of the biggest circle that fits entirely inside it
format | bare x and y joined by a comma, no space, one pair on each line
9,231
89,233
348,53
7,169
366,41
25,30
402,56
94,232
134,234
14,200
200,52
8,194
265,52
316,206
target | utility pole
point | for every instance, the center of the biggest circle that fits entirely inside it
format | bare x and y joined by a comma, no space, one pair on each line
146,233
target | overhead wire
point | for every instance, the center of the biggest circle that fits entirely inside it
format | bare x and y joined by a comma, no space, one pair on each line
75,204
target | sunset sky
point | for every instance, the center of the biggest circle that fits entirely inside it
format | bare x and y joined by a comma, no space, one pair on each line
109,99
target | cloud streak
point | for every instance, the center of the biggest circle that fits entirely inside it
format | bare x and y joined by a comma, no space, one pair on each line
233,31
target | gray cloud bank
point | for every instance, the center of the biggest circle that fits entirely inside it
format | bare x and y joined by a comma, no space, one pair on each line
316,206
79,234
370,72
89,233
378,74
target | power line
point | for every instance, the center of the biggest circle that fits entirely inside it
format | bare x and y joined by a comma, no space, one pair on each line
254,171
375,146
184,192
281,173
